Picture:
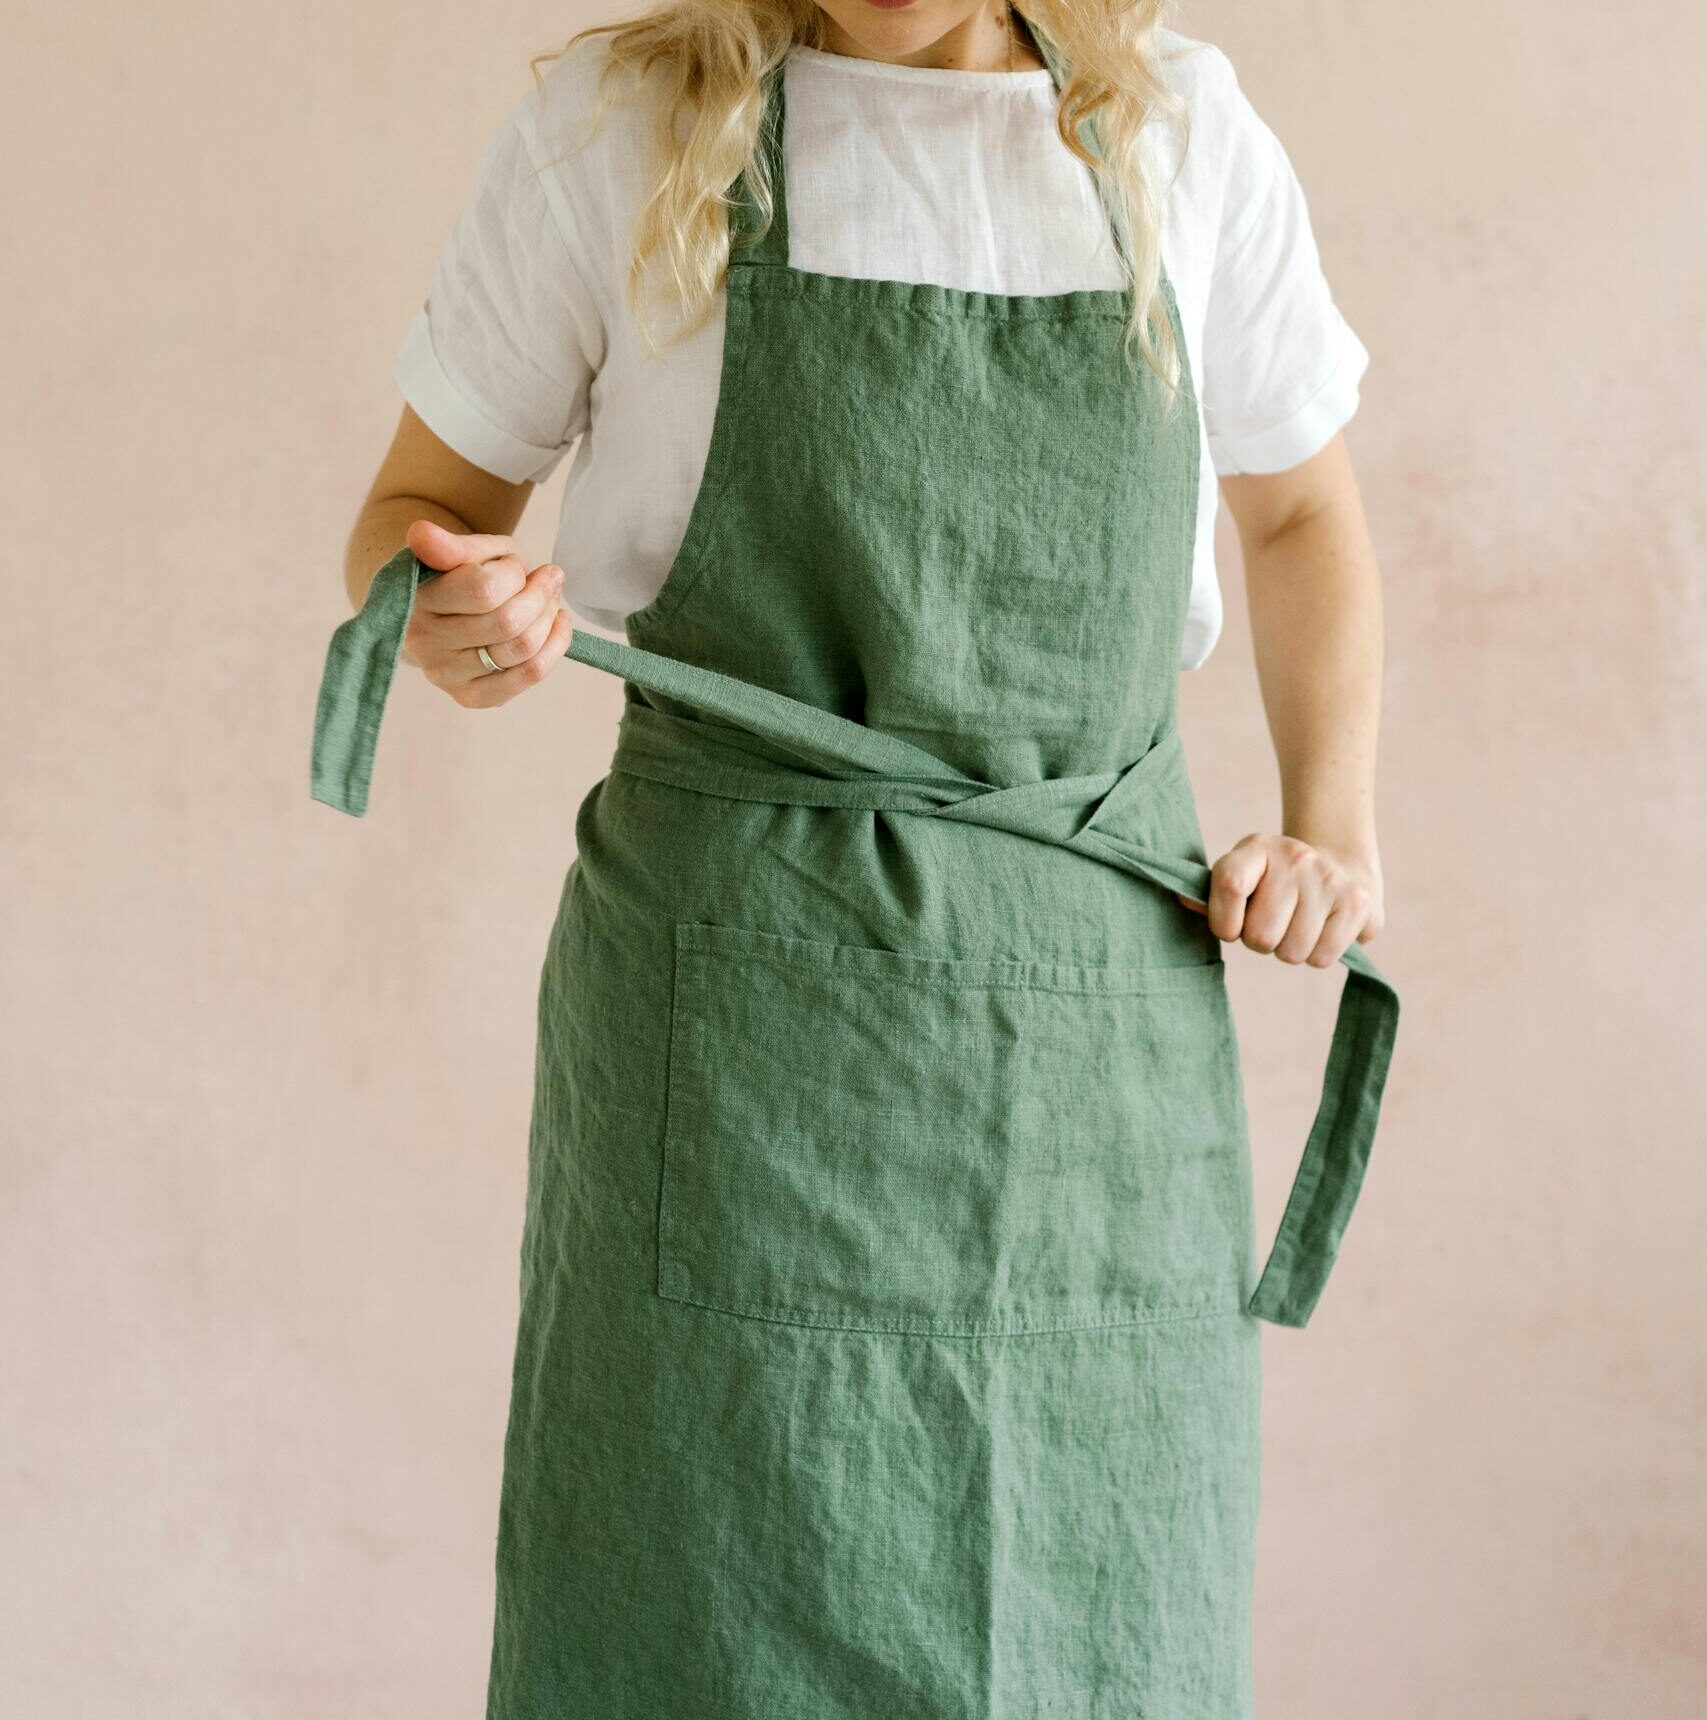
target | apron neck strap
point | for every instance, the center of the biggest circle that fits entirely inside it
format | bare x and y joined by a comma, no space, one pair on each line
749,246
1060,71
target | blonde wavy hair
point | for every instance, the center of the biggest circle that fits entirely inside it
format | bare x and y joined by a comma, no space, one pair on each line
710,57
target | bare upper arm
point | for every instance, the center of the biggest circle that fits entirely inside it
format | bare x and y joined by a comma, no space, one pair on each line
419,466
1265,504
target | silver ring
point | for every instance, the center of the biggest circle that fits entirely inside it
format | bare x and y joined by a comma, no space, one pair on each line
486,658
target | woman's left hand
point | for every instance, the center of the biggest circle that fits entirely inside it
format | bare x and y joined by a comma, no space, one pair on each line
1279,896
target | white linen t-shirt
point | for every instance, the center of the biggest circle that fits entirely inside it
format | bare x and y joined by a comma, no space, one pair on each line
525,342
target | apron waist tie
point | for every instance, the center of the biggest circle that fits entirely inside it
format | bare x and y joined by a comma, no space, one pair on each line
850,765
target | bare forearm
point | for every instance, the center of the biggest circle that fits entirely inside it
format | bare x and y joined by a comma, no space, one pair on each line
492,625
1316,621
379,533
1315,596
421,478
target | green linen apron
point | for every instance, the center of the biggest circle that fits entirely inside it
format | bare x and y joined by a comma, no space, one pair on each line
889,1307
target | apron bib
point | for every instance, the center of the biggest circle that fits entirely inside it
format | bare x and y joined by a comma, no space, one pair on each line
889,1336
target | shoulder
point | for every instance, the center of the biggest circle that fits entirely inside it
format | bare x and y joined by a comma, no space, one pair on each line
586,142
1197,70
1207,84
1219,159
583,108
1279,365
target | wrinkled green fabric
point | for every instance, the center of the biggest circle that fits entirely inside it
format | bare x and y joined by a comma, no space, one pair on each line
889,1338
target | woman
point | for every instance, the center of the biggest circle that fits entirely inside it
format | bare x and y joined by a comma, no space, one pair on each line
889,1326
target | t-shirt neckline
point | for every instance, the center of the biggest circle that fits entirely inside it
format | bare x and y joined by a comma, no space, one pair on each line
947,77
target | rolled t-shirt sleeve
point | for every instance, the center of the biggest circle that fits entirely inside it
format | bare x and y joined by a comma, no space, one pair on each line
1281,364
499,360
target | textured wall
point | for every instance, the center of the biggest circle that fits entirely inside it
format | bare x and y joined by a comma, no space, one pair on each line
266,1071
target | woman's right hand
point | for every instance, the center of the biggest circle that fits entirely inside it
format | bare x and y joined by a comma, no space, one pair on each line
484,595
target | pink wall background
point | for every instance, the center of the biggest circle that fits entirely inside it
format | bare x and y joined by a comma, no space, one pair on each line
266,1070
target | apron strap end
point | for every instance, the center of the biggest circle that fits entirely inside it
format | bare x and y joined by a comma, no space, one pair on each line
1330,1175
361,661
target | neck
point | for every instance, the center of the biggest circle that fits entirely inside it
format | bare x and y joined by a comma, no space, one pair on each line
981,42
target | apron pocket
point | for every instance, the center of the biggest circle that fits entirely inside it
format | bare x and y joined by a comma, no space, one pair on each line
881,1142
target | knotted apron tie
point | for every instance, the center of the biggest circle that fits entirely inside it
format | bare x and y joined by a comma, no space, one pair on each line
842,763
